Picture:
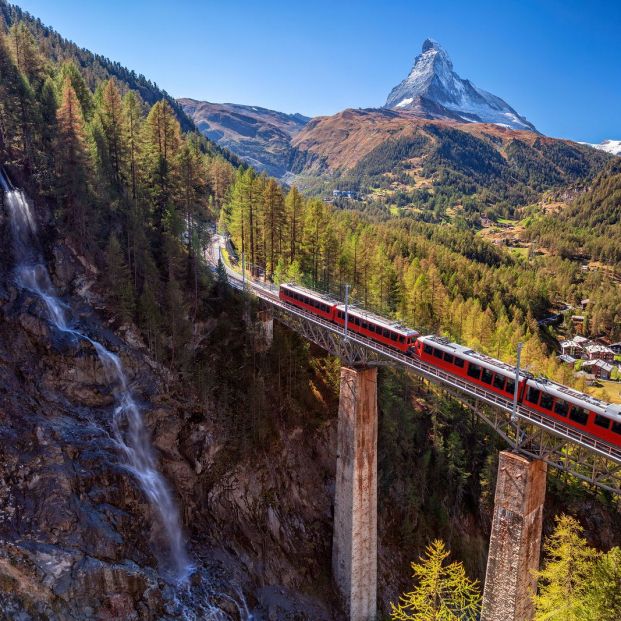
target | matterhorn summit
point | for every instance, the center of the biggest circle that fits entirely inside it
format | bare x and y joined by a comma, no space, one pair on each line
433,90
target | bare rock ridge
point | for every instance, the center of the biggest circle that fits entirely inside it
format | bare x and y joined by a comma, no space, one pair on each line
433,90
261,137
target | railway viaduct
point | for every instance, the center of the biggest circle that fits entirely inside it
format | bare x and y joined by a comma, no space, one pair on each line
535,444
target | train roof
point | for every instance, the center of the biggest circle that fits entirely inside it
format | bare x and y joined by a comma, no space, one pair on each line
474,356
611,410
322,297
393,325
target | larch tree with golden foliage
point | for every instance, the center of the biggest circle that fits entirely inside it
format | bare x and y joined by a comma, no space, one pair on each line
442,592
567,576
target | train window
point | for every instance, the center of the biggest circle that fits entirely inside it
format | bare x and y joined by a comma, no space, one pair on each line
602,421
386,333
449,357
546,401
578,415
437,353
510,386
394,337
401,339
533,395
428,349
487,376
560,408
459,362
474,370
365,325
616,428
499,381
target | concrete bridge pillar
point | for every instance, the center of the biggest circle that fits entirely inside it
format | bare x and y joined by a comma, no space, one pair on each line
354,544
515,541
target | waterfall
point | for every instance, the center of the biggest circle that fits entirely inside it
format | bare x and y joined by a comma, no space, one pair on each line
127,424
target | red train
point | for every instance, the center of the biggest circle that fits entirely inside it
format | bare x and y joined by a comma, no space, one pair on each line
585,413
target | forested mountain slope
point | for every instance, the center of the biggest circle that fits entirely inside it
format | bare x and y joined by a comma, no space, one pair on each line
590,226
399,160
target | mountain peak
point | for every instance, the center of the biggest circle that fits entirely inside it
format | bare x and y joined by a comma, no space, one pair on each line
431,44
433,90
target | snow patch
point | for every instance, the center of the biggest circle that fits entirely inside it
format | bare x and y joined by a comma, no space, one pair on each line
405,102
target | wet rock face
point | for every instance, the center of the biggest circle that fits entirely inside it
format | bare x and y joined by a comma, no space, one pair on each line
78,539
70,515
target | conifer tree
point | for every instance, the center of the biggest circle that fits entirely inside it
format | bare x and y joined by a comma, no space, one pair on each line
112,121
26,53
442,592
274,210
72,160
131,124
118,279
161,146
568,570
294,212
603,599
69,71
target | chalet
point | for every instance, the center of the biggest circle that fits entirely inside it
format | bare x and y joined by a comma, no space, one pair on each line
567,359
574,347
578,322
595,351
599,368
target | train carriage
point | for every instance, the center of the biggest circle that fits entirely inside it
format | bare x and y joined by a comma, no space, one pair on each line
470,365
379,329
584,412
309,300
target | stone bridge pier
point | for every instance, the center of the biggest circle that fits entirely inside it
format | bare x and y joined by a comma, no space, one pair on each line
354,544
515,540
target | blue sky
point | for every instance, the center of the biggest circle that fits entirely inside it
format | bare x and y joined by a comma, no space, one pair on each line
558,62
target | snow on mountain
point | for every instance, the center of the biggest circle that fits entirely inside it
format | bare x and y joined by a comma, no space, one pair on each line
434,90
610,146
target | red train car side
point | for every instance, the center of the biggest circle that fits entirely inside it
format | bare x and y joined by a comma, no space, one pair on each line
585,413
470,365
311,301
379,329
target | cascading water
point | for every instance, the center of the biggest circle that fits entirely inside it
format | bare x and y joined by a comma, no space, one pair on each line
128,428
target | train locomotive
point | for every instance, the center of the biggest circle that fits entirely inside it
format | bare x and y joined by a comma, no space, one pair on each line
545,397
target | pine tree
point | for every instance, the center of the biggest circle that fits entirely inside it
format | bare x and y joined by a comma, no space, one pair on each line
72,161
563,583
118,279
132,122
112,120
162,140
69,71
274,214
442,592
294,212
26,53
